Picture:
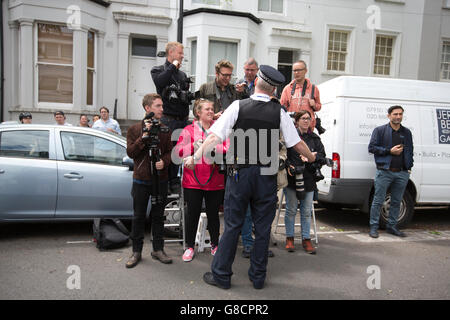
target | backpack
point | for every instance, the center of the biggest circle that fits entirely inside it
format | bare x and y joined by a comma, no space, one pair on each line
110,233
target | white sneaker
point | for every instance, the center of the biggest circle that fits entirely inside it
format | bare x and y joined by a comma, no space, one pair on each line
188,255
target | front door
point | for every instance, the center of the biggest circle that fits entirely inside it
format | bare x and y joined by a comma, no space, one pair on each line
140,82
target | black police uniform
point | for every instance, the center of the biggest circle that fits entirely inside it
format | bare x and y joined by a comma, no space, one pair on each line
246,185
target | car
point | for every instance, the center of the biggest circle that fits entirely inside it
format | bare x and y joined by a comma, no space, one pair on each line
50,172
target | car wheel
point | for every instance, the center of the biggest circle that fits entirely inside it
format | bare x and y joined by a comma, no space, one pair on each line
406,210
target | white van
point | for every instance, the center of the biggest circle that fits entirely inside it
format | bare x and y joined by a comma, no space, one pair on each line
351,108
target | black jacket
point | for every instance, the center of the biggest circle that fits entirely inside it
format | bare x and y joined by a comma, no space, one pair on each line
314,143
165,75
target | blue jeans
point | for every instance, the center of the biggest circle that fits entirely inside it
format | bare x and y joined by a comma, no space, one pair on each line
305,212
397,182
246,232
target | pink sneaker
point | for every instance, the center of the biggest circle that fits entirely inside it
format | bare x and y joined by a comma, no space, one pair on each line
188,255
213,250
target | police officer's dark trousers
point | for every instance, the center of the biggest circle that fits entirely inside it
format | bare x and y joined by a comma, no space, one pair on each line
260,191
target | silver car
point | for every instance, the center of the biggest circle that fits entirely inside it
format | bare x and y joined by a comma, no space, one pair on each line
50,172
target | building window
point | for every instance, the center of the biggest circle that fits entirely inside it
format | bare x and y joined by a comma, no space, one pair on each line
55,63
193,64
219,50
383,55
337,50
271,5
143,47
90,68
445,61
214,2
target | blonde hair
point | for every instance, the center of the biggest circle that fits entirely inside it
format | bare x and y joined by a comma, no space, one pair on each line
224,64
173,45
198,104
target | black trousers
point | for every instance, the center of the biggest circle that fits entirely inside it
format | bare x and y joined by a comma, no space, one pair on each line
194,199
141,194
260,192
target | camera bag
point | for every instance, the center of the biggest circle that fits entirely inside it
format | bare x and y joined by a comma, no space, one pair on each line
110,233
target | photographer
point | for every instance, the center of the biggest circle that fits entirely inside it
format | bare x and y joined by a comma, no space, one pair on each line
172,85
221,91
301,94
206,181
141,138
311,174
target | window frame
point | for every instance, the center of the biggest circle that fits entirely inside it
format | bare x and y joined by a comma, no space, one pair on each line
270,8
94,69
44,104
232,41
349,59
395,61
443,41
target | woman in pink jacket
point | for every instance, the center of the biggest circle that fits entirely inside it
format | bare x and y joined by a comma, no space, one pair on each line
205,181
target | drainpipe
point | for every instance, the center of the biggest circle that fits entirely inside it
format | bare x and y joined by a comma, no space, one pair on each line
2,65
180,23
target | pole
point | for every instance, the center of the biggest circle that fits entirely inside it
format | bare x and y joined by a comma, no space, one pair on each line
180,23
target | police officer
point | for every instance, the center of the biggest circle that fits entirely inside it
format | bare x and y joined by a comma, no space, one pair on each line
176,110
247,182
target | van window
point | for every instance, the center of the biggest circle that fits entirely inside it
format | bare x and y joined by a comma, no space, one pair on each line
25,143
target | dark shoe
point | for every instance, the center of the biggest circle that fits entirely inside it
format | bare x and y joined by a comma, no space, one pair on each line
257,286
307,245
270,254
247,252
161,256
208,277
290,244
395,232
133,260
373,232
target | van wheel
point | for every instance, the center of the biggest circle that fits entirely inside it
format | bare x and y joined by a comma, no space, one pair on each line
406,210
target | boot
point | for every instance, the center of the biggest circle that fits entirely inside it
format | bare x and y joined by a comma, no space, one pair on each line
307,245
133,260
290,244
161,256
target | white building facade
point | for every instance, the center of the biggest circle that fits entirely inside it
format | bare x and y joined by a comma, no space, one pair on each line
79,55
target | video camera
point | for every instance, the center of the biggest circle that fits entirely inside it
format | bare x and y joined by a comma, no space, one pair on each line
150,136
176,95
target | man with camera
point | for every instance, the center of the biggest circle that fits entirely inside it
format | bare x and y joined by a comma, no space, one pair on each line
220,91
149,145
172,85
301,94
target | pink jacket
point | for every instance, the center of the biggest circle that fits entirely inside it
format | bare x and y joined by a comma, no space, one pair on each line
203,170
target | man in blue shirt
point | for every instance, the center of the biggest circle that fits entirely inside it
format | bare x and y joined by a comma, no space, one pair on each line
105,123
392,146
